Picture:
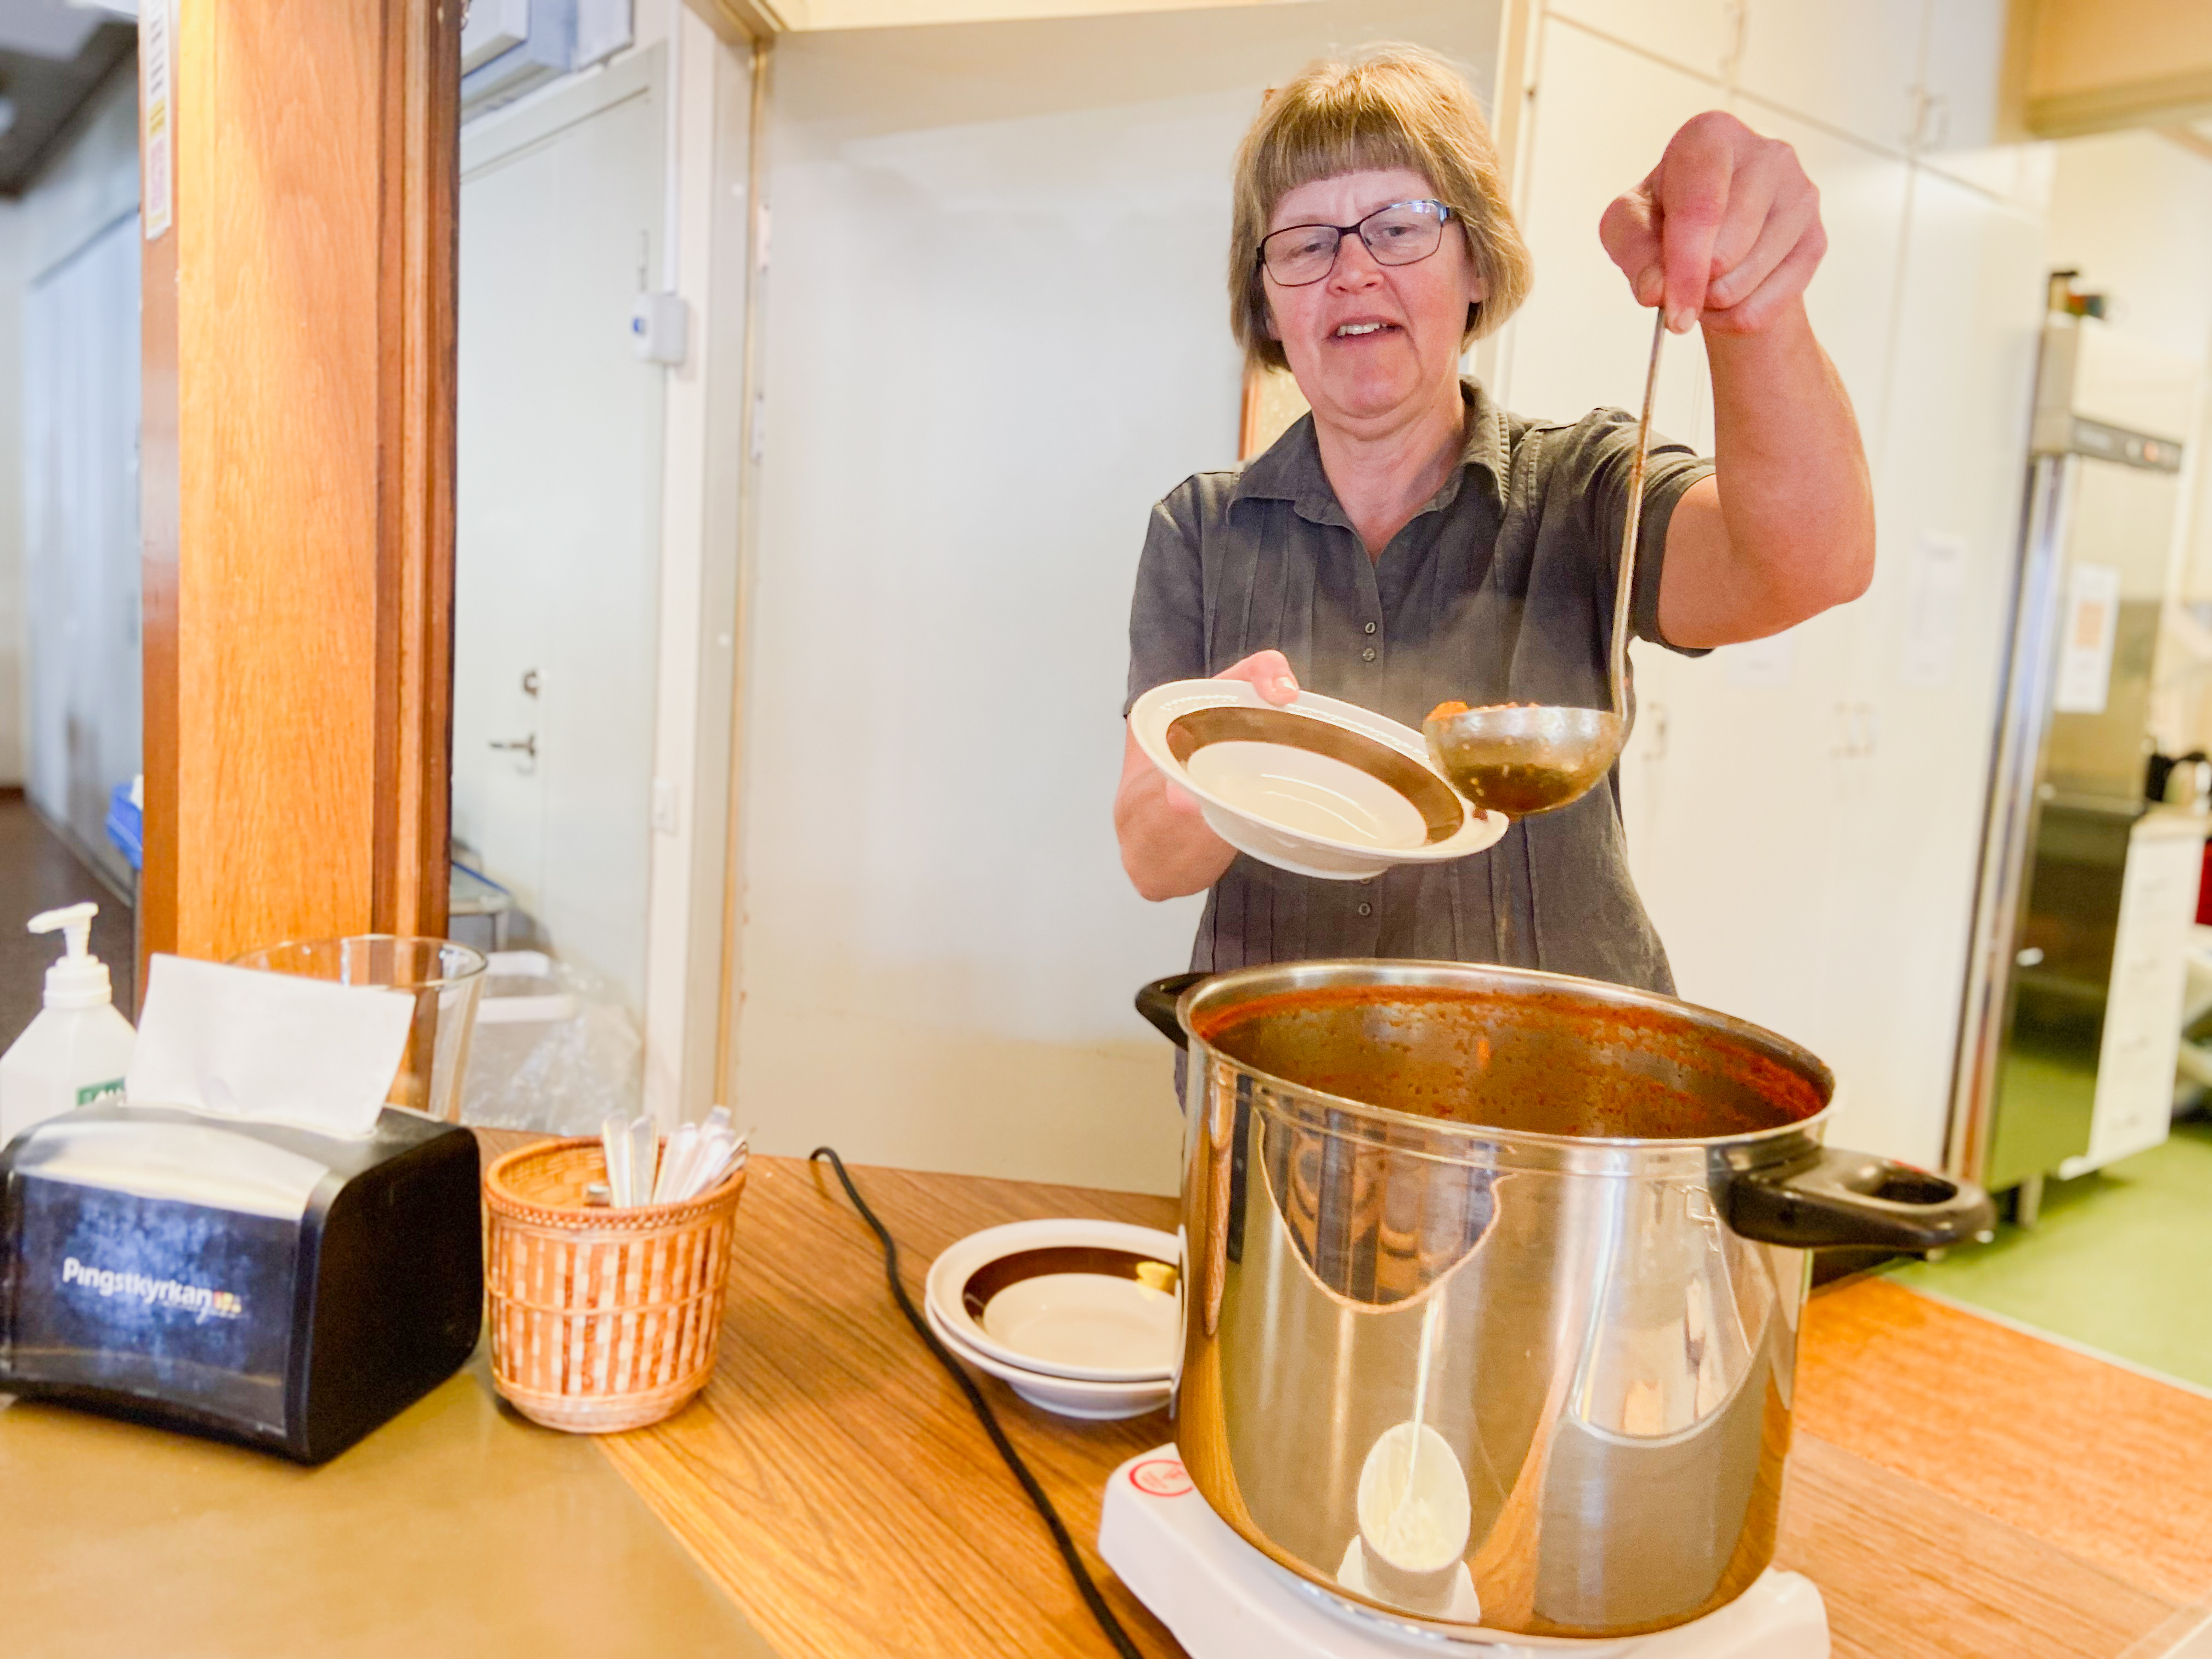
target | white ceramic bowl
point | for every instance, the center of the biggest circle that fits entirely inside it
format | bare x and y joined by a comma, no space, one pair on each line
1064,1297
1064,1396
1319,788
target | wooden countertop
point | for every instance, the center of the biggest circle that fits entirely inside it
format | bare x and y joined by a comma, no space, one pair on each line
1958,1489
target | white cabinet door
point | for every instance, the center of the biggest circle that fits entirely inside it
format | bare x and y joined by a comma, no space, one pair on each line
1765,739
1961,82
1730,784
1853,298
1949,480
1697,35
1603,116
1851,67
1961,76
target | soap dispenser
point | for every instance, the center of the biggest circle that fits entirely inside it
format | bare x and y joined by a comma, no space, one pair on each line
78,1048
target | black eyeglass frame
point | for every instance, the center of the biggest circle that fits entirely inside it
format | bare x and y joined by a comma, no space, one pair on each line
1445,214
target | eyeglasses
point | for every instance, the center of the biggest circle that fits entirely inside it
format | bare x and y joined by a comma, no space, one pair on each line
1398,234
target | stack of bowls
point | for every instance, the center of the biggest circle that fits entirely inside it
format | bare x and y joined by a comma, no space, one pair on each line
1082,1318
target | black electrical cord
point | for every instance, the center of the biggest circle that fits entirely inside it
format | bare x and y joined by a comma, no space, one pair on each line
1091,1599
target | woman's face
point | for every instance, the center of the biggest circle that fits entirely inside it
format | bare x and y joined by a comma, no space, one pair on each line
1370,341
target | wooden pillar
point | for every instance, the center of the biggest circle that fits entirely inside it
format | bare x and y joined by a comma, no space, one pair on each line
297,473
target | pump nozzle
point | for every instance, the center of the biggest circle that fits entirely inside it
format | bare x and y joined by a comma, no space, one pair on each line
79,979
73,922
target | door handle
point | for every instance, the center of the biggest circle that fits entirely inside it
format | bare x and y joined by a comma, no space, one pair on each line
517,745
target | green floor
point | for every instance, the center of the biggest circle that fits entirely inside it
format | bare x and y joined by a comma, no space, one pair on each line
2121,1260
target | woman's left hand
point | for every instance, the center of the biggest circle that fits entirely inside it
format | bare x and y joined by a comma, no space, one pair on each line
1725,231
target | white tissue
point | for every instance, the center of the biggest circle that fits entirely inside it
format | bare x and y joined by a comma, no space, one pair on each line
239,1042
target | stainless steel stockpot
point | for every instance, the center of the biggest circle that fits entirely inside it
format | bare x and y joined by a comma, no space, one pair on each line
1492,1284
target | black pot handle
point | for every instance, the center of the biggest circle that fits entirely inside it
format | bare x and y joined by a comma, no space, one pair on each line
1846,1199
1157,1003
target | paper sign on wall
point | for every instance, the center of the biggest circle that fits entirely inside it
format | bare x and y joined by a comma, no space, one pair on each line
1931,621
156,116
2085,645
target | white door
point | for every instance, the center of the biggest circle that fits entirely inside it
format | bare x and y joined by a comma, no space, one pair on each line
559,499
1948,482
81,516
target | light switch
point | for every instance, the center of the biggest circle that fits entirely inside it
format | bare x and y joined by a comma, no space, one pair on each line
660,328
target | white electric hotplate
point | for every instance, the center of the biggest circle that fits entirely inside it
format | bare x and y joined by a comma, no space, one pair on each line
1224,1600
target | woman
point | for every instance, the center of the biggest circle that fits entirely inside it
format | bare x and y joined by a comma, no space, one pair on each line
1409,542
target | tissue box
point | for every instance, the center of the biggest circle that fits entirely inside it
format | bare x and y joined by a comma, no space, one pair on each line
246,1280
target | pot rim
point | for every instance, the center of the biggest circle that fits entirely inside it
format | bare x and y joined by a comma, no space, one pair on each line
1414,972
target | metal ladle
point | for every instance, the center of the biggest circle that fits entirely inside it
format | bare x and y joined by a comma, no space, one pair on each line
1523,758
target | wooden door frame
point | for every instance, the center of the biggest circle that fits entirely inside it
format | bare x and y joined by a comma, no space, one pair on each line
297,477
418,339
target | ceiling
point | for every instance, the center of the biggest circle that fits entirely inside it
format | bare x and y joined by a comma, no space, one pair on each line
53,56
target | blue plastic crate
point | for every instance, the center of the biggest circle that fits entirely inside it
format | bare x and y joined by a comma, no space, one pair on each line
126,825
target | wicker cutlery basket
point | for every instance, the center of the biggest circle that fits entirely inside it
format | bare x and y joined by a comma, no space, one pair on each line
601,1319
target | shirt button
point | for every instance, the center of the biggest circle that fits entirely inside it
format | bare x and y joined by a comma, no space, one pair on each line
1366,909
1371,627
1368,656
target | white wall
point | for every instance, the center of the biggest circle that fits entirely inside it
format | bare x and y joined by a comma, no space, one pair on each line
997,335
80,552
90,186
2133,212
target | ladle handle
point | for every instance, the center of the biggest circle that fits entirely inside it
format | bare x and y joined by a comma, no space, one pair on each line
1624,597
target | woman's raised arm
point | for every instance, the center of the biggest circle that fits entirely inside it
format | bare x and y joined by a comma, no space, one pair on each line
1726,233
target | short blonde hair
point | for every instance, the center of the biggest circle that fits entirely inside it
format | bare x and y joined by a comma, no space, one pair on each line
1397,106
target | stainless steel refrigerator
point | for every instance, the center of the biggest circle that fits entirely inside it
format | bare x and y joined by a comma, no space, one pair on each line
2086,889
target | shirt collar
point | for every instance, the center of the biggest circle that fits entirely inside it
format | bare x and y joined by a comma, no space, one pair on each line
1290,469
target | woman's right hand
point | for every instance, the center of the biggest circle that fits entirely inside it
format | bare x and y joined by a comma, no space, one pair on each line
1166,846
1269,671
